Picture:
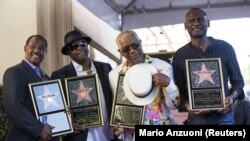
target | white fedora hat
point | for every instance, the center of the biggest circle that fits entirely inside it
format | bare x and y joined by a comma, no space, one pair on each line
138,84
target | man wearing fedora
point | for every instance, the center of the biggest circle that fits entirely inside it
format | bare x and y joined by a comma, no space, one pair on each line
158,103
76,47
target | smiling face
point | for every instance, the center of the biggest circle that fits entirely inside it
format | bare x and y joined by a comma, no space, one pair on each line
196,23
35,50
130,47
79,51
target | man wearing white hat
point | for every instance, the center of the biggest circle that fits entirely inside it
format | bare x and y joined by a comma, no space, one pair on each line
142,73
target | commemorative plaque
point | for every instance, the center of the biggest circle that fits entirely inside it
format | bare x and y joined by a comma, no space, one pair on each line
84,100
50,106
124,112
205,84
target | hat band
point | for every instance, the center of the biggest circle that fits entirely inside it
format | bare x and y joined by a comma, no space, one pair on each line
143,95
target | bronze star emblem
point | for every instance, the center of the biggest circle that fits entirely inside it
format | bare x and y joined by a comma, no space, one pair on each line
82,93
204,74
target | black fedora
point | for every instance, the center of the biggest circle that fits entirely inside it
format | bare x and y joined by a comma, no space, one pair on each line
70,38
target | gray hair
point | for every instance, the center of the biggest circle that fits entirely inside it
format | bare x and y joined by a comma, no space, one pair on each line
130,33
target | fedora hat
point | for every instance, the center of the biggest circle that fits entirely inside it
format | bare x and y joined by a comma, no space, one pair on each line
138,84
70,38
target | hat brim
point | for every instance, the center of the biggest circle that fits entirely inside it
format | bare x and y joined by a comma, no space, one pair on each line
65,48
131,96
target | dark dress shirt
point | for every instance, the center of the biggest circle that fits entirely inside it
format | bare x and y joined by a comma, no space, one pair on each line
217,49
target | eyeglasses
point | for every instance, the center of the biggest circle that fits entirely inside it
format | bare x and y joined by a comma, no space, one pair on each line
78,44
128,48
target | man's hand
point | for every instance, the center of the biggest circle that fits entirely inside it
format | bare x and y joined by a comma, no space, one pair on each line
78,128
46,134
161,80
196,112
117,130
228,105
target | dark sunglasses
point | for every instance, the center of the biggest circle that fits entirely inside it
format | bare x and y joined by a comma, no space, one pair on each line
128,48
78,44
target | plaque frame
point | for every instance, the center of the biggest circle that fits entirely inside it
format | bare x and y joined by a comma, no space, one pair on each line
205,84
50,106
82,108
120,103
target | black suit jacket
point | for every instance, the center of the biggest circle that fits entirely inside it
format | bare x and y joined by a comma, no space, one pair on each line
103,70
22,122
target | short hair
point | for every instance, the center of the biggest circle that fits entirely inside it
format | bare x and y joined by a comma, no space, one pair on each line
129,32
38,36
196,9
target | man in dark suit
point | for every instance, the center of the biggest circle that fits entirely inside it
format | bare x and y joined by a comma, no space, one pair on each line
22,122
76,47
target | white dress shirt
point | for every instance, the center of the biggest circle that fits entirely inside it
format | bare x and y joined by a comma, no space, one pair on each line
97,133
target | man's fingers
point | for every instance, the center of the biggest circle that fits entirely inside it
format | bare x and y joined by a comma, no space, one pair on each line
200,112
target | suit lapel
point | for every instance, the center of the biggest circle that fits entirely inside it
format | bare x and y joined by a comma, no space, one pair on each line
30,71
103,76
70,71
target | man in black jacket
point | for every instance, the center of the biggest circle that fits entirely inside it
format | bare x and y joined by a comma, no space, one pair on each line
76,47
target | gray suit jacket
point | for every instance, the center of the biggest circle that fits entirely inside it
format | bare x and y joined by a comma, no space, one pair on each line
103,70
22,122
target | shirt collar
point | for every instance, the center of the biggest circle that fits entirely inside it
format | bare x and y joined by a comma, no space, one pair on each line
78,67
125,67
31,65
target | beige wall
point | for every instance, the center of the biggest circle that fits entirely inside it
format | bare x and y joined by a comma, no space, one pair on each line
17,23
52,19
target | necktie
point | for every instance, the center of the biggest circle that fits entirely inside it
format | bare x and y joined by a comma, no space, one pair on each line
39,73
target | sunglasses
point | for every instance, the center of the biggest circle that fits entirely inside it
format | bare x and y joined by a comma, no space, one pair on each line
74,46
128,48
